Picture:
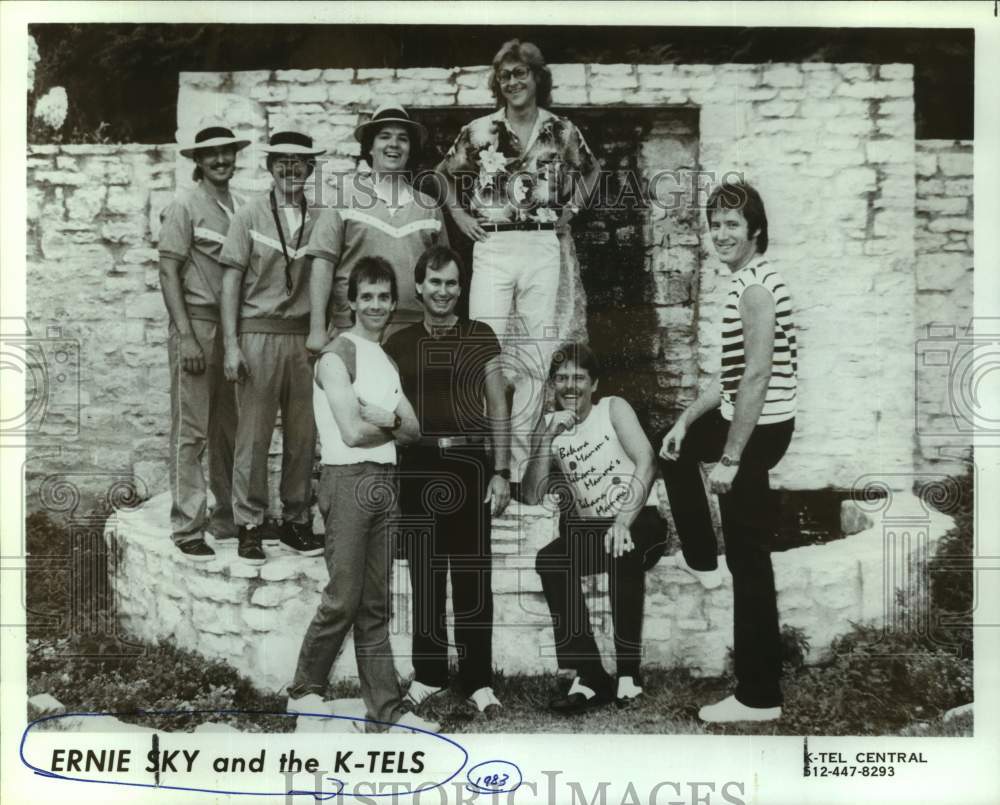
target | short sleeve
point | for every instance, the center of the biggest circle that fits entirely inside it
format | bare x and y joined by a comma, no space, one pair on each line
576,152
327,239
176,231
442,233
458,159
236,249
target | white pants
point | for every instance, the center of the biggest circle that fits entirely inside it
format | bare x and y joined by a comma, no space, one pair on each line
519,270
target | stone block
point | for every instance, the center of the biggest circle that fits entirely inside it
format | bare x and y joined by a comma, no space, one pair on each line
345,94
44,704
369,73
852,519
213,618
153,474
889,151
270,93
131,231
855,72
145,306
782,75
955,164
263,619
141,256
307,94
85,203
943,206
227,647
894,72
958,187
854,181
942,272
274,594
569,75
950,225
925,163
298,76
60,178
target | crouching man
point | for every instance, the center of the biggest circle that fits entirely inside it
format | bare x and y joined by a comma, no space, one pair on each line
609,468
361,414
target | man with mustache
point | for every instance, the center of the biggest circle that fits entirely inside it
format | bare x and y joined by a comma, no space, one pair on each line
202,405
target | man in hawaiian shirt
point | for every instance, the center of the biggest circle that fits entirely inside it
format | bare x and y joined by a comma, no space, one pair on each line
527,170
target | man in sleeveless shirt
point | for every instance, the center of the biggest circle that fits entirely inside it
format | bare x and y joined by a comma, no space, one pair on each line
362,414
202,404
265,319
450,370
744,421
609,523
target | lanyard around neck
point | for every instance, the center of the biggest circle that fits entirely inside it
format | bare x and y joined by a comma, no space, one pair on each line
281,237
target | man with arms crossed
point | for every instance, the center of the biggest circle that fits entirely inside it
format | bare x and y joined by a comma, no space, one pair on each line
450,370
744,422
361,414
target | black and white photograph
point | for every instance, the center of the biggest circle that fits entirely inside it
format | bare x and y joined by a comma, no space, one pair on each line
541,403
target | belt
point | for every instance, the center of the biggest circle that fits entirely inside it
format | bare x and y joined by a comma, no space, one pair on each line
266,325
527,227
444,442
203,312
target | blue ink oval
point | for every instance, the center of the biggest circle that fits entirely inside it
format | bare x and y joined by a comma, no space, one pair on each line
493,777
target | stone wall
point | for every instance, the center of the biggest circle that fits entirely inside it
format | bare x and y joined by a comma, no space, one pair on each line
944,246
830,146
92,283
254,617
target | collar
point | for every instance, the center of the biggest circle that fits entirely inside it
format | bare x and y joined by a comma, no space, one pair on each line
544,116
438,332
393,197
755,262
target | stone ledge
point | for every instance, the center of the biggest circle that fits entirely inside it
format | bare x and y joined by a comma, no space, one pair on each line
254,618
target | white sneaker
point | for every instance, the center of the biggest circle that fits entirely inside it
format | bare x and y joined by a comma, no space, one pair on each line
627,689
411,723
730,709
485,701
310,704
710,579
418,693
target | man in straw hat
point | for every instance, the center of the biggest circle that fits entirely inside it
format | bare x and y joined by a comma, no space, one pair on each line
202,405
265,317
381,215
529,170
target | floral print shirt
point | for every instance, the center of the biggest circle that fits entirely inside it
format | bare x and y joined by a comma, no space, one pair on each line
511,182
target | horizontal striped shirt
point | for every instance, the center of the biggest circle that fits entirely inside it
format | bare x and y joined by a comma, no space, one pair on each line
782,388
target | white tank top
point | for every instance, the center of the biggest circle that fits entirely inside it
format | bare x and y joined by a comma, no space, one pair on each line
376,381
595,463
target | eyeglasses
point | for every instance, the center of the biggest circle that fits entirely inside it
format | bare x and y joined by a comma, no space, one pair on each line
518,74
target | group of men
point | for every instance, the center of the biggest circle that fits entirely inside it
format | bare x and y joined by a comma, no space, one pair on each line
345,319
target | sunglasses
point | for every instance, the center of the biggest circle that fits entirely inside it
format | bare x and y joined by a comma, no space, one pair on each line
518,74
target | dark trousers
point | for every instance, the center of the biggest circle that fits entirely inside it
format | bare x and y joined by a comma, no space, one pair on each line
446,532
747,525
579,551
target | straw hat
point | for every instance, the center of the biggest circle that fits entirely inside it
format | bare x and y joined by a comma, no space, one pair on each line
292,143
391,113
213,137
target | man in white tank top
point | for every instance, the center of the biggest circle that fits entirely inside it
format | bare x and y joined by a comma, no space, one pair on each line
608,469
744,421
361,414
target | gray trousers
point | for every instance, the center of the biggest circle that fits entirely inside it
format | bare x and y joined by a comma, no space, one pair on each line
202,415
360,507
280,378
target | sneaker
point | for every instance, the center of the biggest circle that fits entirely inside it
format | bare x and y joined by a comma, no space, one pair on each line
710,579
731,709
411,723
627,690
270,533
578,699
486,702
300,538
419,693
197,550
249,549
310,704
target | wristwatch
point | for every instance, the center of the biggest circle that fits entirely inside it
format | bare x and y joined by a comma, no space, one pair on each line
504,473
726,461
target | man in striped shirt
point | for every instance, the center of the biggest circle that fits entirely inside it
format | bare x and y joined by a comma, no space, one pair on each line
744,421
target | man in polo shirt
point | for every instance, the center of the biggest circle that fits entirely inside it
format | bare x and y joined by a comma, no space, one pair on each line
530,170
265,317
202,405
450,369
362,414
378,215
